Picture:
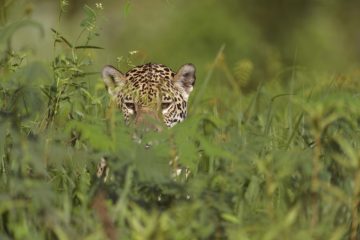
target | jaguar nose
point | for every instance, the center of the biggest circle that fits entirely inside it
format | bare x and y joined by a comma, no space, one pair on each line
148,120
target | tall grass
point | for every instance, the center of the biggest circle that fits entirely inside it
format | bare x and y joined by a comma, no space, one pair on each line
279,162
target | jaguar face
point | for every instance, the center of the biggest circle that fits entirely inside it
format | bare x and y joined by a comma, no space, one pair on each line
151,92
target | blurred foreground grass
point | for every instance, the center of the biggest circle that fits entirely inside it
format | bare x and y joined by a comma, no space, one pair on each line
272,139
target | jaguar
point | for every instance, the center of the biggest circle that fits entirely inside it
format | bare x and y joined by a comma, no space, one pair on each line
150,95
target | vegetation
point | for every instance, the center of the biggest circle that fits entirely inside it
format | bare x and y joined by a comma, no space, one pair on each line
272,137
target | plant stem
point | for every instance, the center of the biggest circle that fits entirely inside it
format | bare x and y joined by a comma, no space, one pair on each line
355,207
315,182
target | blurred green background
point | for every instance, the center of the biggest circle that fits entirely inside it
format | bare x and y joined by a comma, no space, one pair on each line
317,35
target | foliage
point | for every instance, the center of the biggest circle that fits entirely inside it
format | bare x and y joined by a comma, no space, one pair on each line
269,159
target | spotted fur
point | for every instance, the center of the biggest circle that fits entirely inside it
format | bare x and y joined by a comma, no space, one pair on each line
151,91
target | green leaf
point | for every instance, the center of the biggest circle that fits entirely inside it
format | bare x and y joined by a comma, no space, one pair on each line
127,8
60,38
88,47
215,150
230,218
93,133
253,190
89,12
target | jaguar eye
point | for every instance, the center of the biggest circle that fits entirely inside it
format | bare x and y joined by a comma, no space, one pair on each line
165,105
130,105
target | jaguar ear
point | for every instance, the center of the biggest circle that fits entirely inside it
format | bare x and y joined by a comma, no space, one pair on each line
112,78
185,78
